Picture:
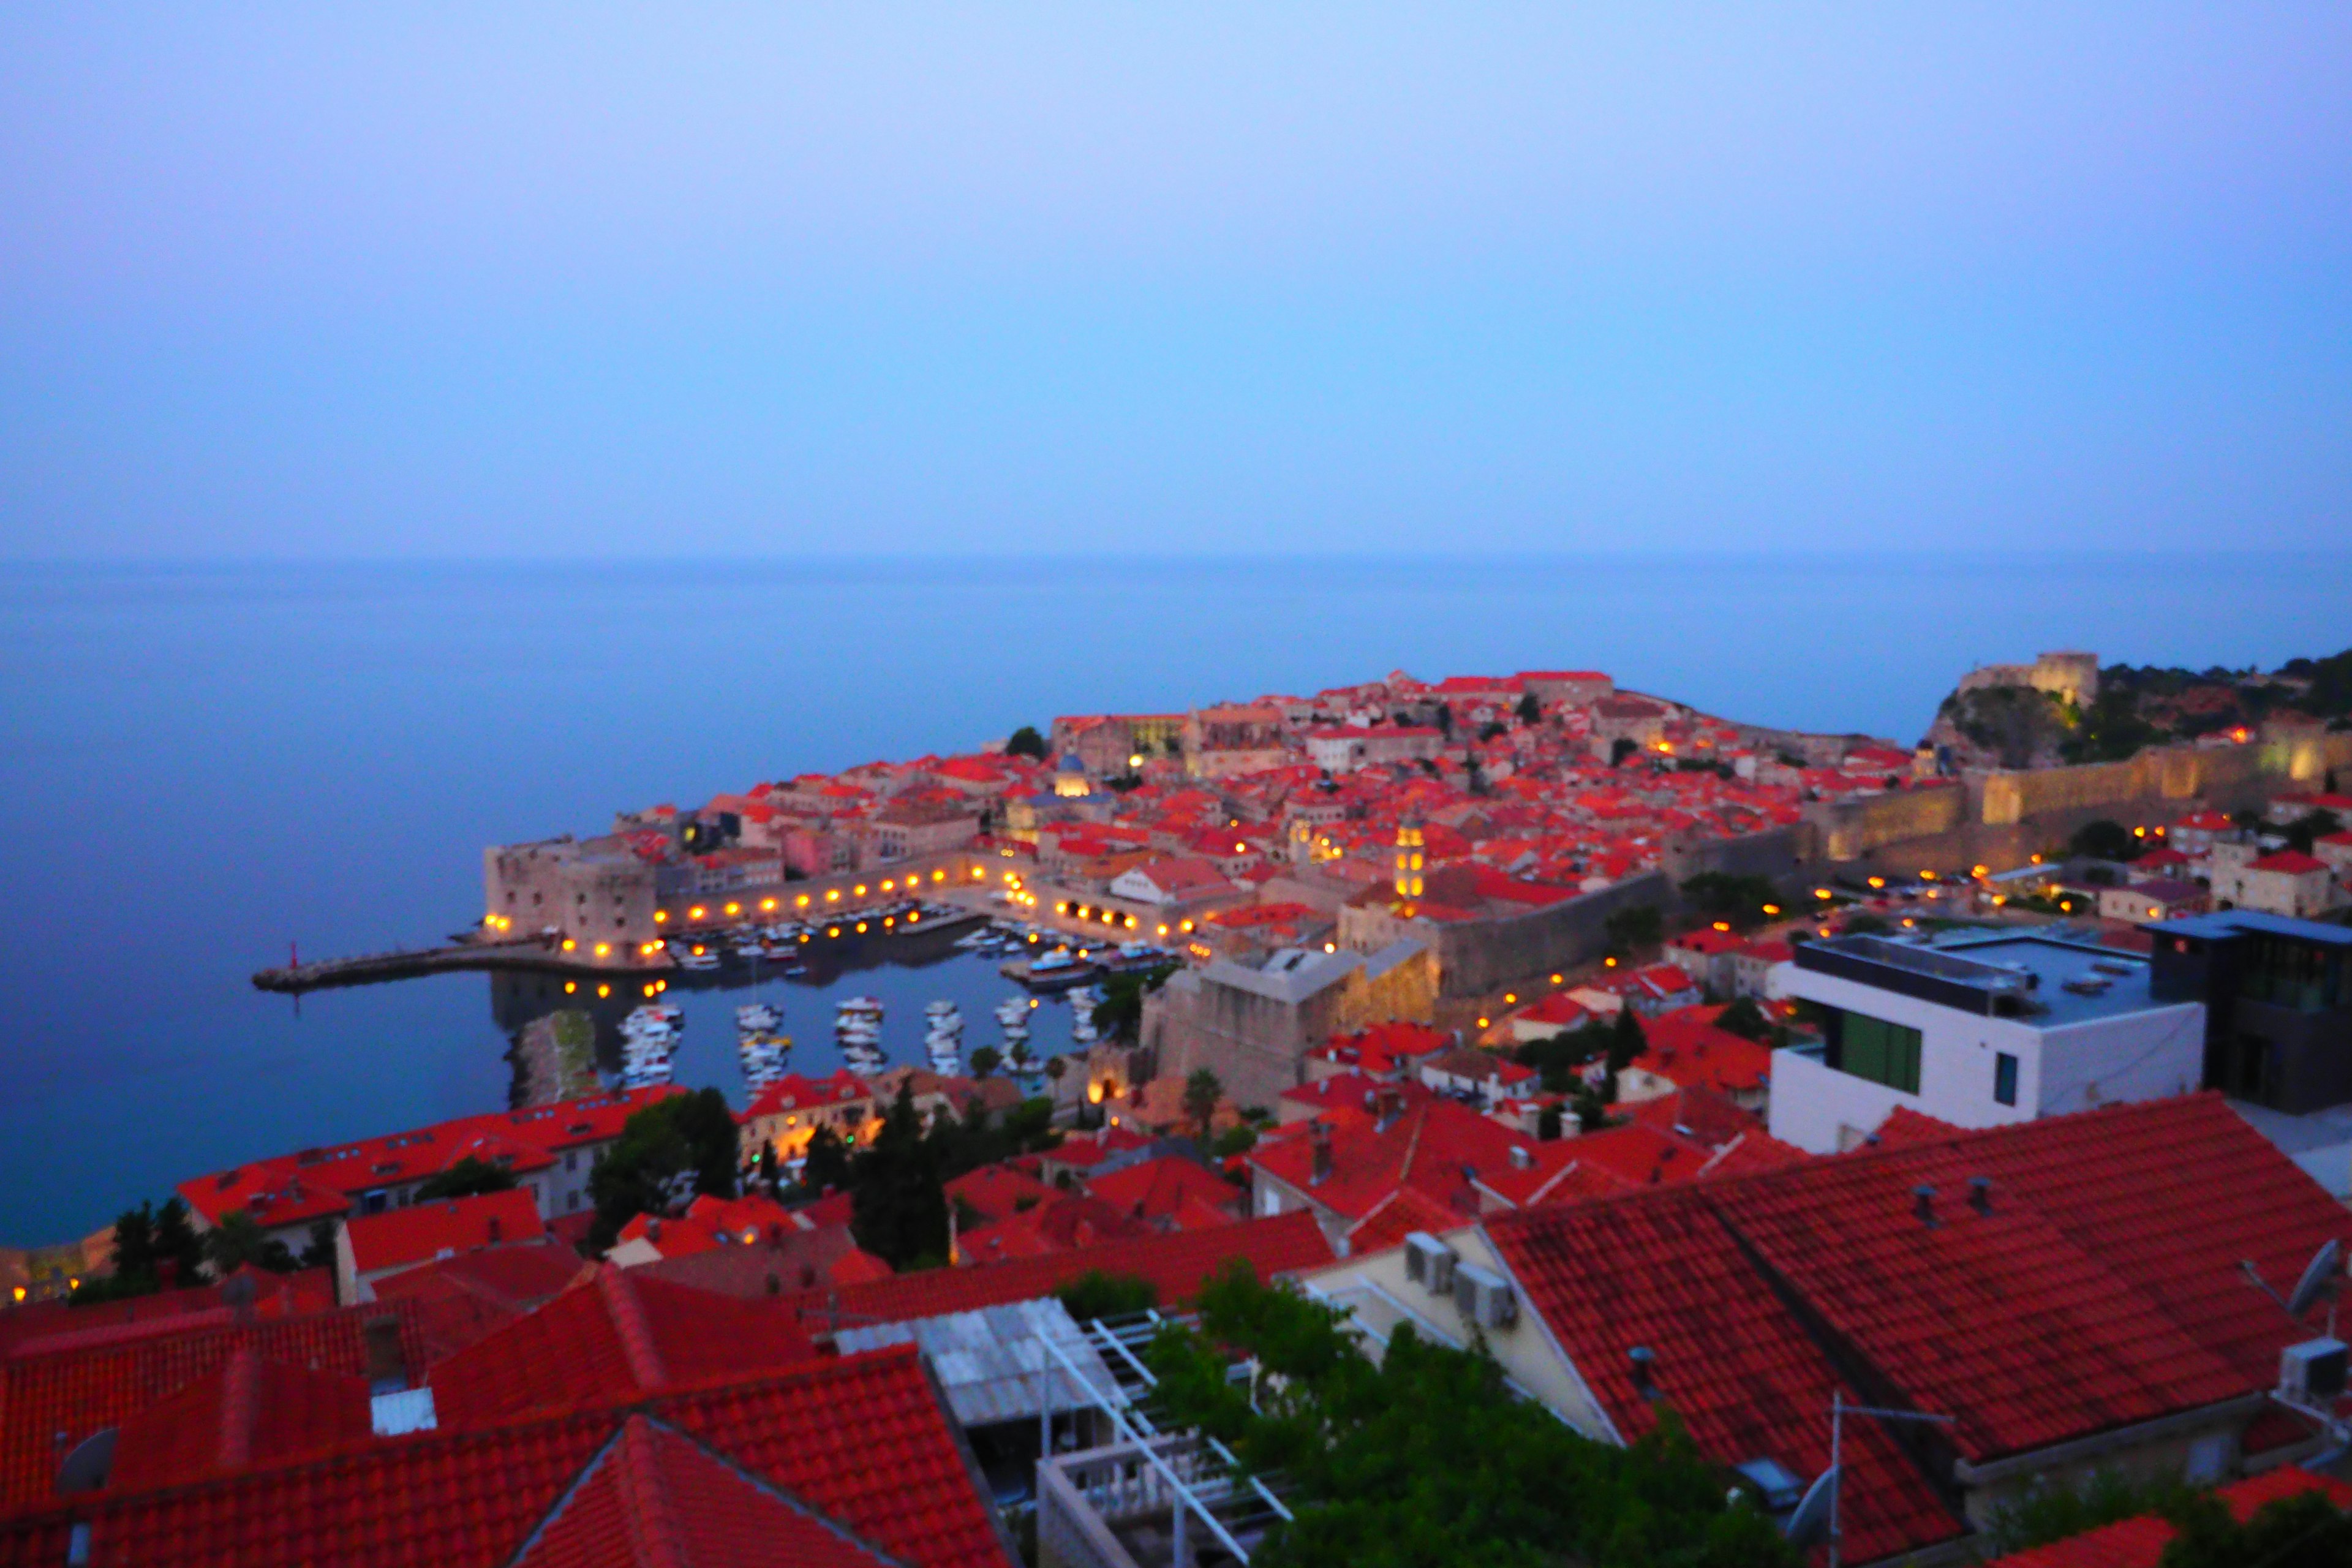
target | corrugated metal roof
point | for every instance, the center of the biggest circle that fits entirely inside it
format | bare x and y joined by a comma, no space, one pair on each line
990,1362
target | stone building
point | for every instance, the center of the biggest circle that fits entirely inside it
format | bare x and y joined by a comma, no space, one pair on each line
1253,1025
2069,675
598,892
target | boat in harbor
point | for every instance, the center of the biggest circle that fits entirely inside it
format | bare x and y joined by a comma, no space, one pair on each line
759,1018
1050,971
764,1057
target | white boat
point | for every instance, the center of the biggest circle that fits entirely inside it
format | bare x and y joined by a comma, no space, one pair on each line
698,959
942,1008
758,1019
870,1005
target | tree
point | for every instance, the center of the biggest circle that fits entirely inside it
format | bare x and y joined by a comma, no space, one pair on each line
1626,1041
238,1240
1737,901
1746,1019
985,1061
1096,1294
149,1244
1547,1124
1634,927
467,1178
1622,747
321,1251
667,1153
2050,1513
2310,828
1530,711
1444,720
1120,1015
824,1163
1237,1139
1493,729
2303,1531
1026,743
1056,1067
899,1209
2105,839
1201,1092
1429,1458
1864,925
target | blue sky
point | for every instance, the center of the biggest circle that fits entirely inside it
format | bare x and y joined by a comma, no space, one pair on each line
313,280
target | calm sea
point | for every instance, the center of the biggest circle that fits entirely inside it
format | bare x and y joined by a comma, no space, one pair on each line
204,764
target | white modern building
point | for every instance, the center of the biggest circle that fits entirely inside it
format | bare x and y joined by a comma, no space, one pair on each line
1976,1033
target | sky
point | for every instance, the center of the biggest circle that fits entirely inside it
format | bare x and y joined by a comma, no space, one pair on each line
419,281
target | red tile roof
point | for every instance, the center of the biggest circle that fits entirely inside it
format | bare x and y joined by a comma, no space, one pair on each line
2140,1542
58,1325
2294,862
616,1335
1659,1269
423,1232
2099,1285
318,1183
1177,1266
658,1499
861,1440
997,1192
247,1411
1157,1189
460,1299
77,1390
1435,1146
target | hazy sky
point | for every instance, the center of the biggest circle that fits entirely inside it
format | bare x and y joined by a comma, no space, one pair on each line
427,279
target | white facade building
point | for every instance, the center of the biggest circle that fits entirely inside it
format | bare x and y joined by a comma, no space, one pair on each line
1976,1032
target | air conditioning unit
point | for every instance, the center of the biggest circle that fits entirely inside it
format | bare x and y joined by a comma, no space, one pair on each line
1484,1297
2312,1372
1429,1263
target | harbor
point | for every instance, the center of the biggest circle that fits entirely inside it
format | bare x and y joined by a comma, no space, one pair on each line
931,994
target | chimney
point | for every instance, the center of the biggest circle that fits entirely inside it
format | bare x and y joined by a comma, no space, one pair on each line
494,1231
775,1236
1980,1193
1923,1197
653,1228
1645,1371
387,1363
1318,1138
1391,1105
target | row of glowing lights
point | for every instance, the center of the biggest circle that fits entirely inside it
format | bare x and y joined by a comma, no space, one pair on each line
767,906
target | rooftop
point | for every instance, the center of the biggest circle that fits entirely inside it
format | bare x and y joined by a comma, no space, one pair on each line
2047,981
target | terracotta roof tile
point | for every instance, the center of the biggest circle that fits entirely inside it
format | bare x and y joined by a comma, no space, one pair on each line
2140,1542
1177,1265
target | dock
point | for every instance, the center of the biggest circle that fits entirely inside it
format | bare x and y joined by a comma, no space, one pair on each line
533,952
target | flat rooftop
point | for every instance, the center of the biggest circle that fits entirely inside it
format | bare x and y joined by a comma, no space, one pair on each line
2047,981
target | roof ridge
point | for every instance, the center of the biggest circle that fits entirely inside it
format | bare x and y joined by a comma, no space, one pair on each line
655,1529
628,1316
240,1402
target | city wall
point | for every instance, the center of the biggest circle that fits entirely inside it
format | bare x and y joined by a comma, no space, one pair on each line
2003,818
1477,956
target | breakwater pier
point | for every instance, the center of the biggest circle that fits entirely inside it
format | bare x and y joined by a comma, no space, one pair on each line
544,953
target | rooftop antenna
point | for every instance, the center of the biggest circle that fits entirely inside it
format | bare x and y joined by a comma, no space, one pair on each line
1818,1512
2318,1279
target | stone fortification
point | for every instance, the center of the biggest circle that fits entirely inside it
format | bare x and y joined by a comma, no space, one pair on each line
1253,1027
2002,818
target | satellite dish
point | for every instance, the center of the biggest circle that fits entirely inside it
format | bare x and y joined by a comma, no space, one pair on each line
2317,1277
86,1468
1811,1520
